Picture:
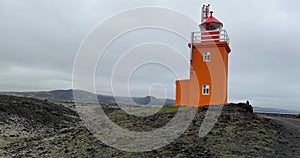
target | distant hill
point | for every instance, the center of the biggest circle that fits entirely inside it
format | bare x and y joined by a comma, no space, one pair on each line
67,95
62,95
274,110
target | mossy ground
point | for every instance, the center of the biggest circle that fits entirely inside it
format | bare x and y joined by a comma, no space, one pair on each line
237,133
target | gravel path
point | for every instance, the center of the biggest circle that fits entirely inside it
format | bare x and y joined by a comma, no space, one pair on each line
291,123
288,142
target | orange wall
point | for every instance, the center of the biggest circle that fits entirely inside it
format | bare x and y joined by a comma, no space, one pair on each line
213,73
182,92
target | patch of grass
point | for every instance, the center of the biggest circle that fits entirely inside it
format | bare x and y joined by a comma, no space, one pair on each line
179,155
165,109
4,140
229,128
122,141
145,110
231,156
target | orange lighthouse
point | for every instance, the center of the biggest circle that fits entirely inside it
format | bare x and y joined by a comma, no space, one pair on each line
208,82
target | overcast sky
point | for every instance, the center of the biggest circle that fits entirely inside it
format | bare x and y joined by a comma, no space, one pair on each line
39,41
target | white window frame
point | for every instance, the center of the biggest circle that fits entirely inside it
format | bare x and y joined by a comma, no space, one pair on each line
206,56
206,89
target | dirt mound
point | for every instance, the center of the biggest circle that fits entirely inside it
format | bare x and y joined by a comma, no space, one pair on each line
238,132
32,114
240,107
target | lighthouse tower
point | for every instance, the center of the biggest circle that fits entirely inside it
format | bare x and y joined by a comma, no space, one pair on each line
208,82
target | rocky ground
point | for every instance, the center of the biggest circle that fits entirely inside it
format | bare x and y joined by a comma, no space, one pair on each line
288,141
36,128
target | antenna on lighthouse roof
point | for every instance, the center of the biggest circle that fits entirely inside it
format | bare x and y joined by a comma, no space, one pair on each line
205,12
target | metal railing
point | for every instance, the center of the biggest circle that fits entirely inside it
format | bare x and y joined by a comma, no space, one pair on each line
210,36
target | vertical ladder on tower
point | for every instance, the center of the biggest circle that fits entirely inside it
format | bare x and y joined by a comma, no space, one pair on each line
205,12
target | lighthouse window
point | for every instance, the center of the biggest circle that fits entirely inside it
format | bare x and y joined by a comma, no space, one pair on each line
206,57
205,90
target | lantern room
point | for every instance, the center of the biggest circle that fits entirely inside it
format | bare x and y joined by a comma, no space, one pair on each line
211,23
210,28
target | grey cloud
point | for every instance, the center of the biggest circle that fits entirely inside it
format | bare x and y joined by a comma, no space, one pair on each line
39,41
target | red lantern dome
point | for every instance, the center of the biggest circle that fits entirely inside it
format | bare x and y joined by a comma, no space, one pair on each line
211,23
